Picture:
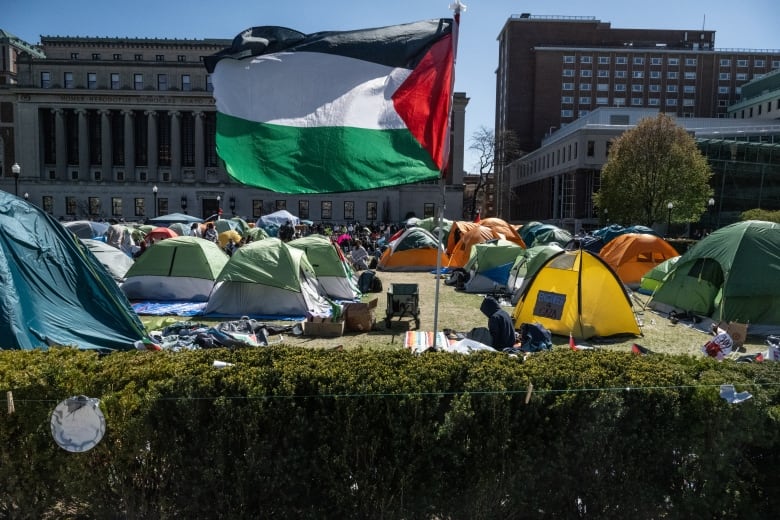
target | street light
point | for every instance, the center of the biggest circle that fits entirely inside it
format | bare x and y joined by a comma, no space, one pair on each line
711,206
26,196
669,218
16,170
219,206
154,190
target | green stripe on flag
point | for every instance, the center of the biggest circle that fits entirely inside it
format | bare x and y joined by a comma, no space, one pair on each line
320,160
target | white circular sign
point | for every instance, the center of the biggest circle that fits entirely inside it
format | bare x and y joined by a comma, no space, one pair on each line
77,424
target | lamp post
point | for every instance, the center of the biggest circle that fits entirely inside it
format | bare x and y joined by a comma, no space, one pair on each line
669,218
154,190
219,206
26,196
16,170
710,207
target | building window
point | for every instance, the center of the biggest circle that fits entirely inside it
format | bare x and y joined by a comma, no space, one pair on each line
586,59
568,59
209,84
671,88
138,57
637,88
602,101
690,76
672,75
741,76
140,207
349,210
591,148
636,101
303,209
603,73
162,82
724,76
326,210
94,205
117,57
181,58
586,73
689,89
759,63
621,74
584,86
159,57
116,206
673,62
257,208
45,79
603,60
585,100
655,74
638,74
723,90
186,83
371,211
568,73
602,87
567,100
688,102
725,63
280,204
690,62
583,113
620,87
671,102
91,80
567,113
654,88
96,56
68,80
621,60
74,55
568,86
138,81
653,102
114,81
429,209
656,61
70,205
638,60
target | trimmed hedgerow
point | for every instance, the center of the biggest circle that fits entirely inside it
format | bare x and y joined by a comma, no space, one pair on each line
296,433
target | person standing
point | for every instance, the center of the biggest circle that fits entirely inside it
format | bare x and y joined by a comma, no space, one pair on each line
211,233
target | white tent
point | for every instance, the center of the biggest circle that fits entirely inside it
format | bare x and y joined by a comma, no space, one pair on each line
277,218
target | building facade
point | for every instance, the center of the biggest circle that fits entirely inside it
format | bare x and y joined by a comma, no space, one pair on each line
559,178
554,70
115,128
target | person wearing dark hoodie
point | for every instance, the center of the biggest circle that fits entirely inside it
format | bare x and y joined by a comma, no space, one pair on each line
501,331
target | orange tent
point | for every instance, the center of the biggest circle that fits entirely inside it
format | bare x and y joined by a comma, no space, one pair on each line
462,250
501,228
632,255
458,229
415,250
160,233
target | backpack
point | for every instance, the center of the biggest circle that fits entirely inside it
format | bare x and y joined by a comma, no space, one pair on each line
368,281
535,337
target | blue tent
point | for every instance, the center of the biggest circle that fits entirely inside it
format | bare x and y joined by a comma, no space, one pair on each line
53,290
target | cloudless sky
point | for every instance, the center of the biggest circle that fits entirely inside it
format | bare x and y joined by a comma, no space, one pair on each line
745,24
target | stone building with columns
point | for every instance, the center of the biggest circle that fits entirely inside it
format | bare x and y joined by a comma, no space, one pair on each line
118,128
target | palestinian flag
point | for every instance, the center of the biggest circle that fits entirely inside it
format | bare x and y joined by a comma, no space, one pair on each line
335,111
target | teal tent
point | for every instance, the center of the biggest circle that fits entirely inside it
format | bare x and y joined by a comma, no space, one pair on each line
733,274
53,290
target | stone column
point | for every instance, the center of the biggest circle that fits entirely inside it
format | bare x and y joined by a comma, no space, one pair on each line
151,143
61,146
106,143
84,144
129,145
175,144
200,152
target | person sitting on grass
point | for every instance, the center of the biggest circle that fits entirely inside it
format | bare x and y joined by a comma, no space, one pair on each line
359,256
500,332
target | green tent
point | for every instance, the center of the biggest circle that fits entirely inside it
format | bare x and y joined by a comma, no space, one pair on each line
53,290
175,269
268,278
332,268
489,264
733,274
654,278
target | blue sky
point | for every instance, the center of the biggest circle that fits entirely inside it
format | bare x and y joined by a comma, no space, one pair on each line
750,24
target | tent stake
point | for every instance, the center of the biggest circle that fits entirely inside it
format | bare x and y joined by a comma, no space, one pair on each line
9,397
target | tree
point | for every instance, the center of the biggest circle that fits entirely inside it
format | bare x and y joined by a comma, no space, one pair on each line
650,166
484,142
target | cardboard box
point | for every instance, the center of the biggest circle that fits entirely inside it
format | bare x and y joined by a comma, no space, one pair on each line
737,331
323,329
360,317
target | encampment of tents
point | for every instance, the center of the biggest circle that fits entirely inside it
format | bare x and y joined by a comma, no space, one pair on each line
632,255
54,291
576,292
415,250
176,269
732,274
489,266
330,265
268,278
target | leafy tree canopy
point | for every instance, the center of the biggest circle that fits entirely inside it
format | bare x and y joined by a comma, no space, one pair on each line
649,166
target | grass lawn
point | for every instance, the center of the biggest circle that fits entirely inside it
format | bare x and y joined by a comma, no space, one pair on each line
460,311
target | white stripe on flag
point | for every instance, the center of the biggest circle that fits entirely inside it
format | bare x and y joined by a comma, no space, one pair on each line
306,89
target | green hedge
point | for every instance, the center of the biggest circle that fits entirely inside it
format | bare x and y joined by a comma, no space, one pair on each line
297,433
